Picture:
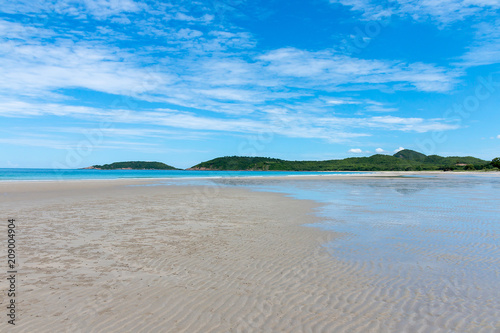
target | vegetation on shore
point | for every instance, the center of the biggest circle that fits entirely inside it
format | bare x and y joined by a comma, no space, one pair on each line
404,160
134,165
496,162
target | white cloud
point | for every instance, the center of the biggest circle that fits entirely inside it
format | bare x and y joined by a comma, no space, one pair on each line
284,123
399,149
364,104
418,125
443,11
290,127
20,109
99,9
184,17
329,70
23,32
107,8
127,133
24,139
379,151
187,33
341,101
231,94
34,69
379,107
485,50
355,151
95,66
498,136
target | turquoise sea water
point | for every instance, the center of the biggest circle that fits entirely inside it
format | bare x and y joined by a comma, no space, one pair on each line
80,174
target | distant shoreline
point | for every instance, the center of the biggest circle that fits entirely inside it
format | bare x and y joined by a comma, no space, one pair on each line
311,177
403,160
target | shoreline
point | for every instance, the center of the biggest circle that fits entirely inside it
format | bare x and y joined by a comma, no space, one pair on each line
347,175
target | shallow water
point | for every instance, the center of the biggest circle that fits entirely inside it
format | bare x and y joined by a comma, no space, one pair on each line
431,244
7,174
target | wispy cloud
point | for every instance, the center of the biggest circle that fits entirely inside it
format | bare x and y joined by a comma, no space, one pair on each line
333,129
100,132
79,9
374,106
328,69
418,125
33,68
334,101
486,48
203,80
444,11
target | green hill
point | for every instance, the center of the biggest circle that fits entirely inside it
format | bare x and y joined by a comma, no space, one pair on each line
238,163
404,160
408,154
134,165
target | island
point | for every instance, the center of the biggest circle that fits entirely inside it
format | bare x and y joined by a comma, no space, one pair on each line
404,160
133,165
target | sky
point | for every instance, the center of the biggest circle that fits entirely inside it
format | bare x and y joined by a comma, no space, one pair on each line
86,82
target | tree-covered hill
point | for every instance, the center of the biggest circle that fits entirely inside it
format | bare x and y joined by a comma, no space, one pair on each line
408,154
404,160
134,165
238,163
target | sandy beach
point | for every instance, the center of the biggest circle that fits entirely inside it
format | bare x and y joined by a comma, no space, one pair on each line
111,256
104,257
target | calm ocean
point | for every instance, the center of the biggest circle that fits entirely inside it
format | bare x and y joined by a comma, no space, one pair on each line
80,174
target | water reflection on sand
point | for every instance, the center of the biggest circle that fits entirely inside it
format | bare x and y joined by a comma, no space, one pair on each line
430,243
434,238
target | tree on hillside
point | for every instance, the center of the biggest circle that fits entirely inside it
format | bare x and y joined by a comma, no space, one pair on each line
496,162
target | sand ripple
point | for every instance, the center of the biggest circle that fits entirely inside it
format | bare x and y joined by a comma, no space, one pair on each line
171,259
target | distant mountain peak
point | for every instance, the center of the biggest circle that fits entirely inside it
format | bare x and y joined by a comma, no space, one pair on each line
408,154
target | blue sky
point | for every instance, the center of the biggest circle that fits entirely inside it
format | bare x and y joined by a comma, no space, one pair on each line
88,82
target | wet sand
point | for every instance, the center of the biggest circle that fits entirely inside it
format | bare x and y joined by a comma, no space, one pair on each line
102,256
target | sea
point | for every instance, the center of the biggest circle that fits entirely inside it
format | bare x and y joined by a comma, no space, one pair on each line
20,174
